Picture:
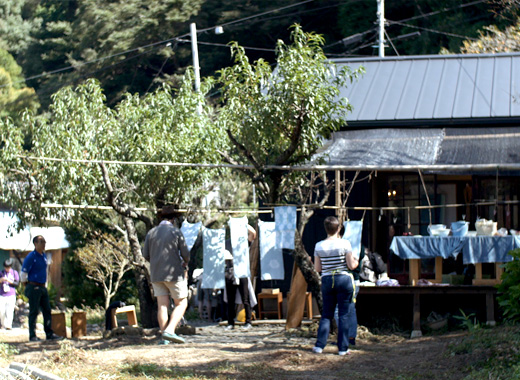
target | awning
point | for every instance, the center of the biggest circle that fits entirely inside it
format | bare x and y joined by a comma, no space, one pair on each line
444,149
22,241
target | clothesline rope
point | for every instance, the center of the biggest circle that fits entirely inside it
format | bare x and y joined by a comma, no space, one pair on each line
269,209
453,167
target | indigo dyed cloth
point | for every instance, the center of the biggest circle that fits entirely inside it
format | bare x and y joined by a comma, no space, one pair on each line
411,247
271,257
285,219
353,230
240,246
489,249
213,244
190,232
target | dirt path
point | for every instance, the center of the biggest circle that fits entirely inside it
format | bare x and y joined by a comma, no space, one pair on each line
265,352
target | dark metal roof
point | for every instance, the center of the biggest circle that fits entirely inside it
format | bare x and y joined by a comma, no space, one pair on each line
434,89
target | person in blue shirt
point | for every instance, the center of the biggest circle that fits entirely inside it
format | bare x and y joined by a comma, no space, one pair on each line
34,277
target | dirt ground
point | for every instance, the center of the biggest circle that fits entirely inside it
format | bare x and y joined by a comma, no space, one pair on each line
265,352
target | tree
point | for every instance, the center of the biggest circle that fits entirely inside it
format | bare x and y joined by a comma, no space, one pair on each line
162,127
14,97
279,117
16,26
106,260
116,42
494,41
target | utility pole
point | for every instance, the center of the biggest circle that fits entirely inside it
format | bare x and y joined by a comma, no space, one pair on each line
196,67
195,54
381,19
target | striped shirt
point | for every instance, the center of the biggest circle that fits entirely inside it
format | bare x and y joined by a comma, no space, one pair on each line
332,254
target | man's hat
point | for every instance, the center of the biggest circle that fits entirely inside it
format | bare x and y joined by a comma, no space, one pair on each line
170,211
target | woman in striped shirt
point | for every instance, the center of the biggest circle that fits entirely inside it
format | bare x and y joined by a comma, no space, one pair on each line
333,258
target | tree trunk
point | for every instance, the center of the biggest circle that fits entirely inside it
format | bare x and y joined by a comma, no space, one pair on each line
306,266
303,260
147,302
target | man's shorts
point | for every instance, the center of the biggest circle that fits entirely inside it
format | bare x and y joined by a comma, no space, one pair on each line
176,289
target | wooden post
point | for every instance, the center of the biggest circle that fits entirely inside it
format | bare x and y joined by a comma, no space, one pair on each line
414,269
58,324
337,186
78,324
438,270
416,331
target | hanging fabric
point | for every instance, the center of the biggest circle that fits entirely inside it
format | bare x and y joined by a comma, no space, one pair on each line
353,230
239,246
271,257
213,245
190,232
285,219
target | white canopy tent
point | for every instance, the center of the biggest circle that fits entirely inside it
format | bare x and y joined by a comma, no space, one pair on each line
10,239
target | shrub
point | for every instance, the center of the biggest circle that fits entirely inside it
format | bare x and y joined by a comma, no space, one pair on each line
509,290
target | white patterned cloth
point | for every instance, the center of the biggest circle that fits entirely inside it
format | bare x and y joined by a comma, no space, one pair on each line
353,230
285,219
190,232
213,245
240,247
271,257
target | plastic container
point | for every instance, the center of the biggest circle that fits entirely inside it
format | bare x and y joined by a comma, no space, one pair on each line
434,229
459,228
485,227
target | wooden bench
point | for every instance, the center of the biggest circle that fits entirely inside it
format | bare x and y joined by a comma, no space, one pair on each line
130,315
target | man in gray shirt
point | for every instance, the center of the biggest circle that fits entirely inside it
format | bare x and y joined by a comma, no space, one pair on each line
166,250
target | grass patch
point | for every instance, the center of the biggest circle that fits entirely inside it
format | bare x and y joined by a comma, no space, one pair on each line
154,371
491,353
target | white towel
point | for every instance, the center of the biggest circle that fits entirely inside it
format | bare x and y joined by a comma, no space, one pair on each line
285,219
271,257
190,232
353,230
240,247
213,244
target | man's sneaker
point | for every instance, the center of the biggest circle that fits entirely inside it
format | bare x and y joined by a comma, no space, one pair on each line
247,326
34,339
54,337
343,353
172,337
230,327
317,350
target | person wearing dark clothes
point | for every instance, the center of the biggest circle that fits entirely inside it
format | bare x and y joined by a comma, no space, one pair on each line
34,276
241,284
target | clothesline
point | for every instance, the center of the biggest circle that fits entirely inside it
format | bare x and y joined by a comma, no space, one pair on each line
456,168
269,209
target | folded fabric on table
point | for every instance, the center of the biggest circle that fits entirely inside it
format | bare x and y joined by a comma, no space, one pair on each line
410,247
489,249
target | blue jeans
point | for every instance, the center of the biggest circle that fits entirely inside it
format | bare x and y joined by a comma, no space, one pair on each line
352,315
335,290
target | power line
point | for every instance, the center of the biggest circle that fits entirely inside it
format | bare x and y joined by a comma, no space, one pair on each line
155,44
432,30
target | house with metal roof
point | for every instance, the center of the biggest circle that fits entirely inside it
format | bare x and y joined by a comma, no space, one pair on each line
437,137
